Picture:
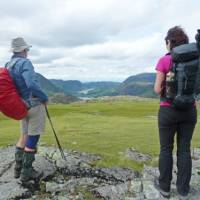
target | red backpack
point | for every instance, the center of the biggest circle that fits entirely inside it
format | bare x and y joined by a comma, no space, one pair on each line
11,104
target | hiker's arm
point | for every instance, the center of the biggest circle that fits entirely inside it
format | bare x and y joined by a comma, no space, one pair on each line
158,86
29,76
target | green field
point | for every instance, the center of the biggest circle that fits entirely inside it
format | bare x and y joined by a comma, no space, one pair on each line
106,128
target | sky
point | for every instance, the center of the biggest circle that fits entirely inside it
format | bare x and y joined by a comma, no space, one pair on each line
94,40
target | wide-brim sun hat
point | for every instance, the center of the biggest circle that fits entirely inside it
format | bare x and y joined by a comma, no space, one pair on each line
18,45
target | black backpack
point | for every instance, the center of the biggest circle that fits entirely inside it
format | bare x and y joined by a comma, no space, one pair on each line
183,83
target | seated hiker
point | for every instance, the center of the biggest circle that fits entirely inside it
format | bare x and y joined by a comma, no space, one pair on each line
32,126
173,117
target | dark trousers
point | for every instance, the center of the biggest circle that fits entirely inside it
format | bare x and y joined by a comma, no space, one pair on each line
173,122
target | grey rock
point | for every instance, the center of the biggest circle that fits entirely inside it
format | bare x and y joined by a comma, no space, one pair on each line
43,165
69,186
7,159
150,192
63,198
9,187
53,187
112,192
195,153
150,172
120,174
195,180
12,190
65,180
74,158
79,196
134,198
136,187
135,155
114,175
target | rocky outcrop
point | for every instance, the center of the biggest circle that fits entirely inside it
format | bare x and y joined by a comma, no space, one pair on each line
135,155
78,179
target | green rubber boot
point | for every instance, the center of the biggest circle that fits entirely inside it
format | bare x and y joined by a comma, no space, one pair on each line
19,152
28,173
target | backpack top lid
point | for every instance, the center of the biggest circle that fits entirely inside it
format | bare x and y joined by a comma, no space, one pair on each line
185,52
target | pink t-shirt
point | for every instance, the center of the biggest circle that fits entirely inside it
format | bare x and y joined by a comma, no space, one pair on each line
164,65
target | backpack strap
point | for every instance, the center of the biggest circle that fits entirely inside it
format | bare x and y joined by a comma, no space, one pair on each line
10,65
6,65
180,78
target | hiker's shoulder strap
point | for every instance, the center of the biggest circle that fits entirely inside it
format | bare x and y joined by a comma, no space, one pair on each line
10,65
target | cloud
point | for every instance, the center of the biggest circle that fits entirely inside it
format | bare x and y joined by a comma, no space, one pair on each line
94,39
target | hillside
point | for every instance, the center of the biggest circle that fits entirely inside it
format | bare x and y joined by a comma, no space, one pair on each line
101,84
144,78
56,94
88,89
137,85
62,98
46,85
137,89
71,86
98,89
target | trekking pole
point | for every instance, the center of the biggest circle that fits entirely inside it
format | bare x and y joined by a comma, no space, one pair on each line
58,143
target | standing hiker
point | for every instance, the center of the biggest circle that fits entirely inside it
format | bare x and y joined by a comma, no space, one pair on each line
32,126
173,121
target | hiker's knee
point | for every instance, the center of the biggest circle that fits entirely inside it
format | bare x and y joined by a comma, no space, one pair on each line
166,150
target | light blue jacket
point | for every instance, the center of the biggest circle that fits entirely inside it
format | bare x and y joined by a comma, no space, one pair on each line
25,80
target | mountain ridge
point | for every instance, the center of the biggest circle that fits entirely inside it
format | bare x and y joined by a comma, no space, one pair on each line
136,85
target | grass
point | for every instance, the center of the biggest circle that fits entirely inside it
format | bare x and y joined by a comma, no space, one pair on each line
106,128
